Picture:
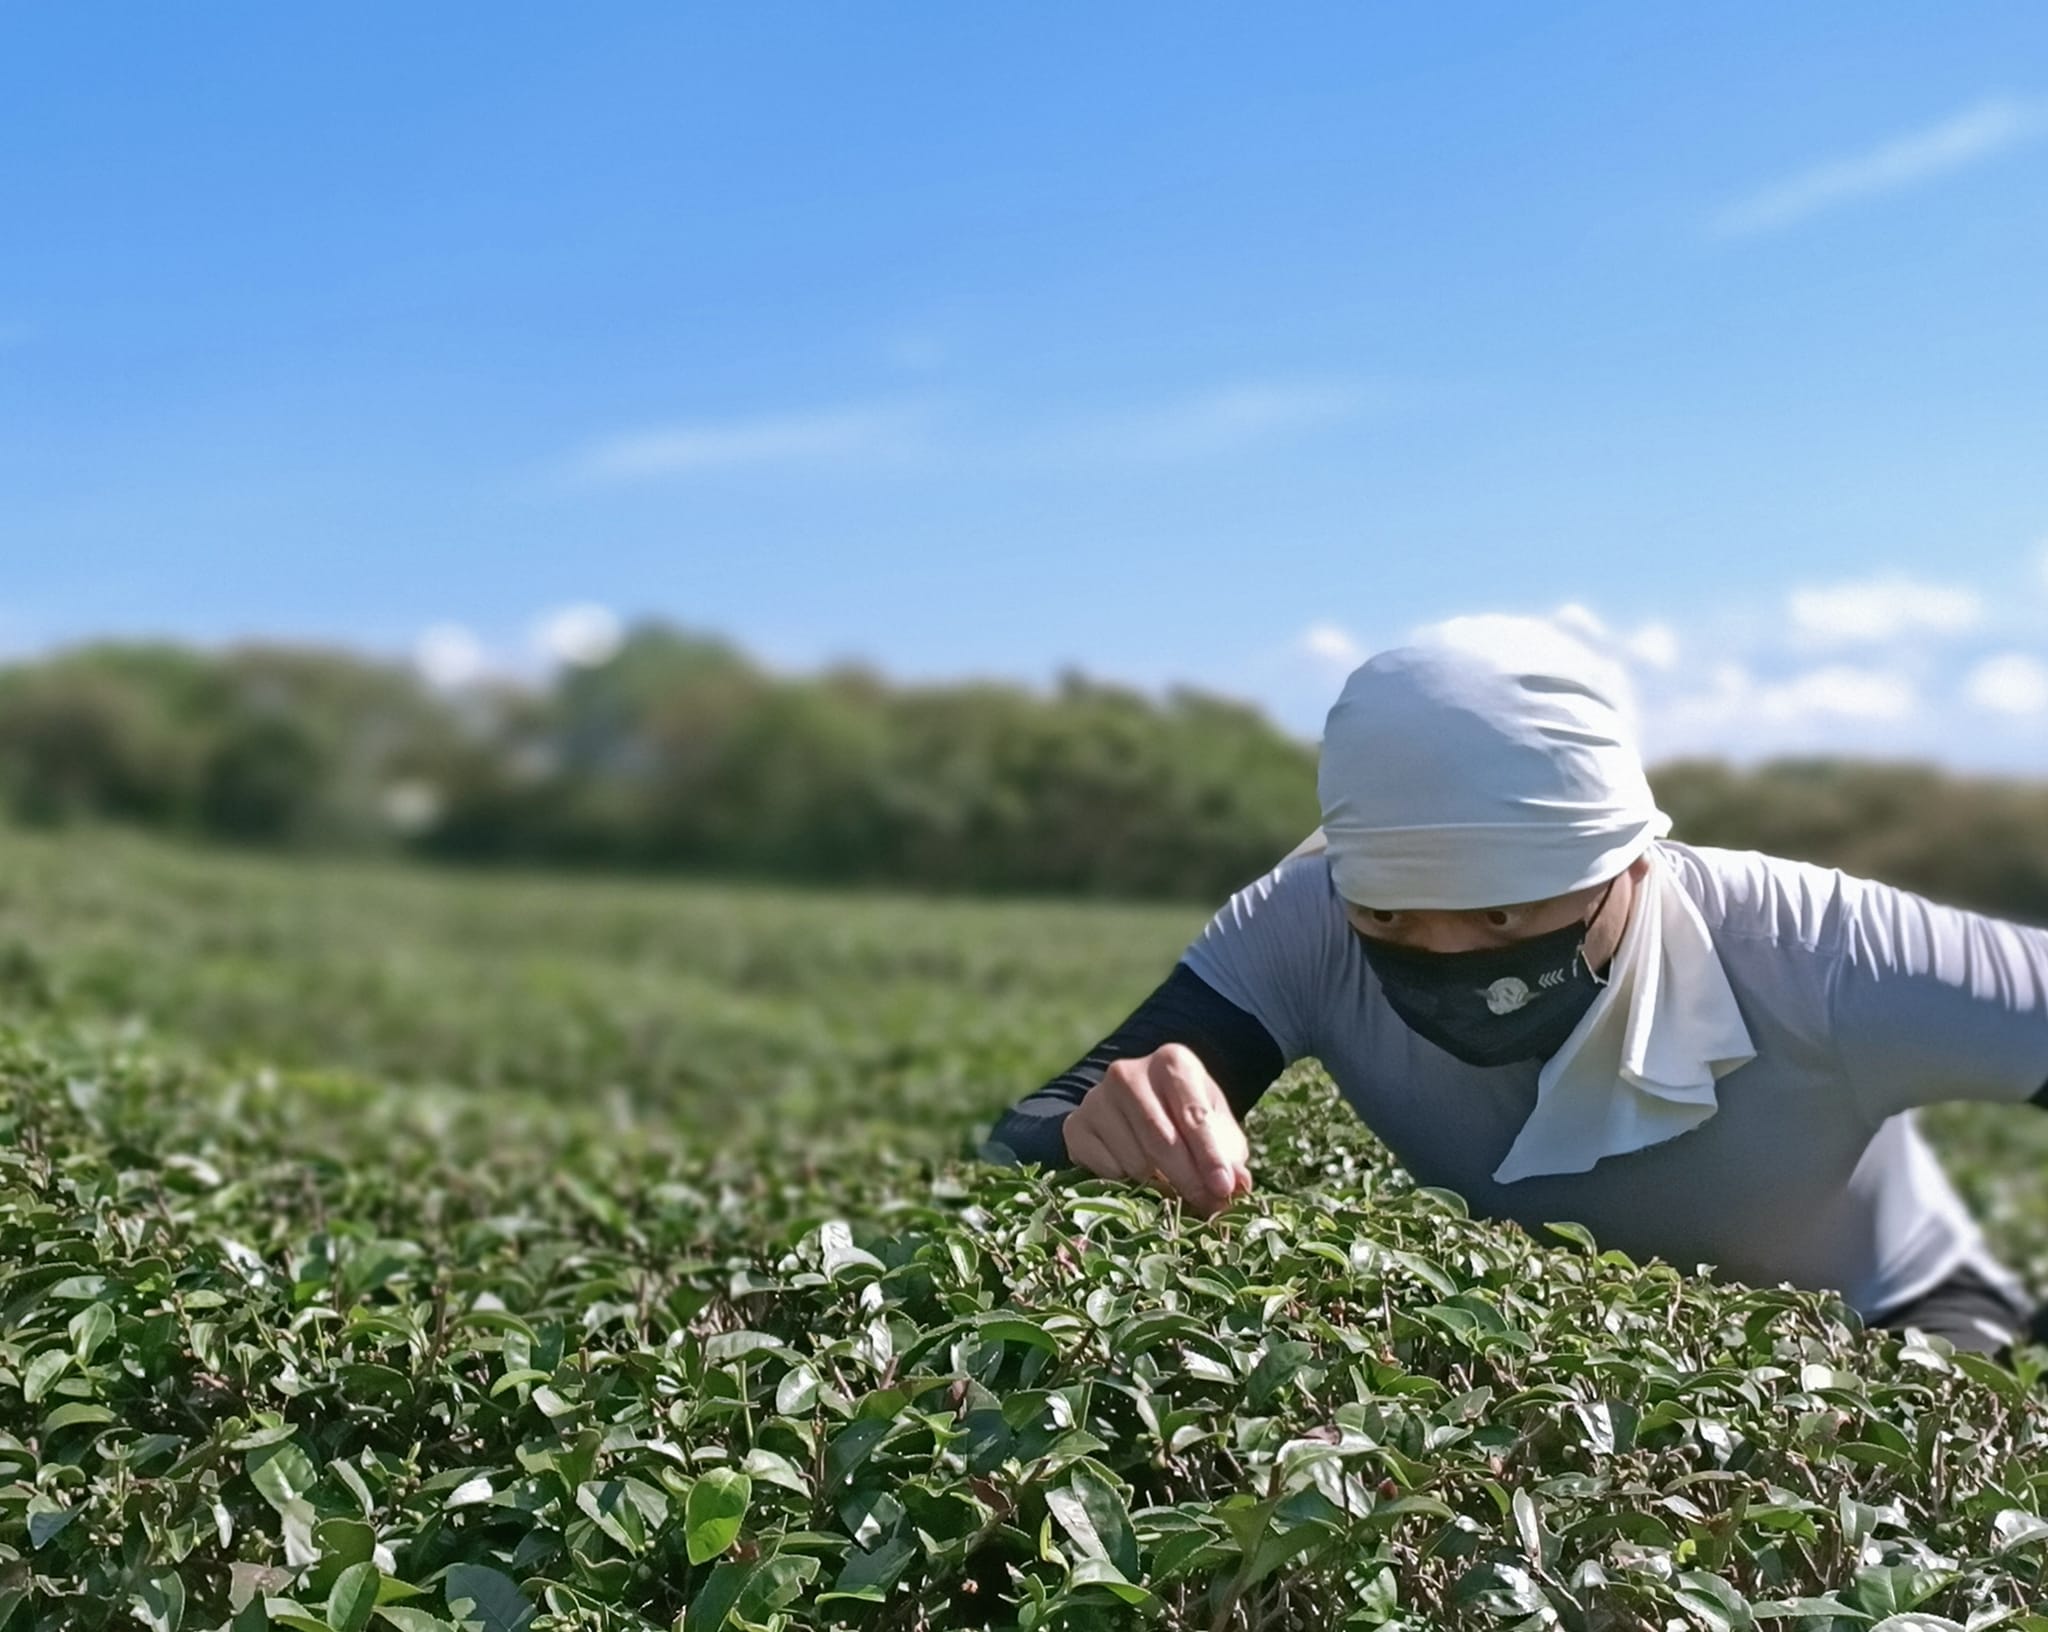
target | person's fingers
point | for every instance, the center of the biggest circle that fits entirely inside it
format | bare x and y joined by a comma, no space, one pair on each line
1162,1120
1158,1136
1214,1142
1087,1146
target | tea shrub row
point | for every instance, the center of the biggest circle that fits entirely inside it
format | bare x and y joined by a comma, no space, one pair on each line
315,1346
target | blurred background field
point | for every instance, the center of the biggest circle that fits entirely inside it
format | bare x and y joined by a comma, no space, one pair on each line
765,1034
718,1015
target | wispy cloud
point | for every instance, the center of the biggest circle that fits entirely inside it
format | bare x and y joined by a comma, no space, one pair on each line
449,655
1891,664
1652,645
1882,609
1200,425
1217,421
581,636
1332,645
1977,133
861,435
1839,691
1735,701
1655,645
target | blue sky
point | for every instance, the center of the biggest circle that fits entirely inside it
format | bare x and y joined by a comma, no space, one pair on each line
1217,345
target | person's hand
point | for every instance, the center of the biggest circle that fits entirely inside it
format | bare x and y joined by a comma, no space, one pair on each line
1162,1118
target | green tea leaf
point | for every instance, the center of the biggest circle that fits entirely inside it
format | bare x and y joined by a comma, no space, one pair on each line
159,1602
870,1575
406,1619
1092,1513
283,1473
89,1328
41,1372
1100,1572
352,1597
713,1605
484,1599
46,1520
1499,1590
717,1506
2014,1527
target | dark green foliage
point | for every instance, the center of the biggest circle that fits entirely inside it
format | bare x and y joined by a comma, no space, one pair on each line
387,1251
676,754
1974,842
261,780
263,743
680,754
340,1351
99,733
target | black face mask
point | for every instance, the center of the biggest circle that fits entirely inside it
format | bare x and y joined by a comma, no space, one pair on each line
1497,1006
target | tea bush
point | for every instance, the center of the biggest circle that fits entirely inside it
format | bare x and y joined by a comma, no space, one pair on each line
294,1336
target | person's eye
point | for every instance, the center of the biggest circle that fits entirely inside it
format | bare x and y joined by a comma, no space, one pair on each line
1504,917
1380,915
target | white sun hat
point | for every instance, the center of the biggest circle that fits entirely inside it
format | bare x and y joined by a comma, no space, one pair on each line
1494,761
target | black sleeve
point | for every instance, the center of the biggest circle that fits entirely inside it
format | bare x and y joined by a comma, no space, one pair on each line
1237,1051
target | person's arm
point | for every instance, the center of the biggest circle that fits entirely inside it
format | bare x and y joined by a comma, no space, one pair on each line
1936,1003
1231,1044
1159,1099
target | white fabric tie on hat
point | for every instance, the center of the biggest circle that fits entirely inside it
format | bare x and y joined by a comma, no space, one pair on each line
1496,764
1641,1065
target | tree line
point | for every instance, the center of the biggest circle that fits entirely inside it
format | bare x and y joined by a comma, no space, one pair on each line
680,754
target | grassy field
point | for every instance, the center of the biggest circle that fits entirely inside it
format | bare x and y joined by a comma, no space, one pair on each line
389,1248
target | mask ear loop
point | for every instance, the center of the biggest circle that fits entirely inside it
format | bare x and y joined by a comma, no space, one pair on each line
1598,978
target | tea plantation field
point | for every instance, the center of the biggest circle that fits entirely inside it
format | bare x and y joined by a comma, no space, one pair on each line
390,1249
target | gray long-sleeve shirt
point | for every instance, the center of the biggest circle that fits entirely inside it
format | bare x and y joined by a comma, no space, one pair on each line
1862,1001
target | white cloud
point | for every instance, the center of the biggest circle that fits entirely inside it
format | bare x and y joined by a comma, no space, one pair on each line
1886,667
1879,609
1837,692
1977,133
1654,645
1327,643
581,636
1842,692
449,655
1582,621
2010,683
863,436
